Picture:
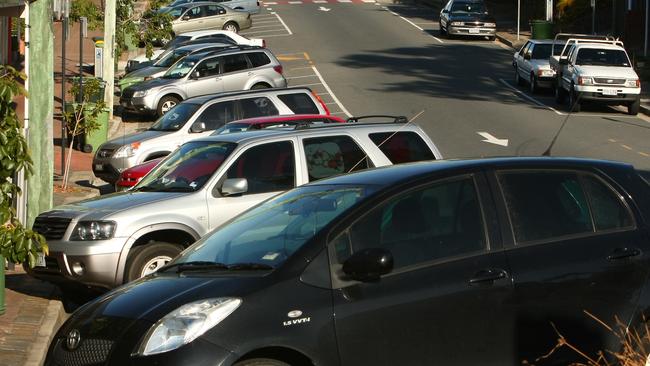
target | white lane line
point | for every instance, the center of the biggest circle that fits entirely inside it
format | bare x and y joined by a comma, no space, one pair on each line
283,23
271,3
331,93
268,26
302,77
265,21
346,113
270,15
533,100
345,1
320,2
260,32
415,25
368,1
295,2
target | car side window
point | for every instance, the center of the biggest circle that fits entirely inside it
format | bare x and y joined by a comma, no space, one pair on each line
211,10
299,103
217,115
545,204
257,107
529,49
523,49
608,208
232,63
440,221
332,155
258,59
402,147
195,12
208,67
268,167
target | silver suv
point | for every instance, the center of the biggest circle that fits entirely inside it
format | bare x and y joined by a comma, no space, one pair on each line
110,240
198,117
236,68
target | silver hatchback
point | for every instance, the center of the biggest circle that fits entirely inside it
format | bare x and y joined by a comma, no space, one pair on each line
232,69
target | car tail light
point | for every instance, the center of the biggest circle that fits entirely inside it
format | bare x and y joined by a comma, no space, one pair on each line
278,69
320,100
638,83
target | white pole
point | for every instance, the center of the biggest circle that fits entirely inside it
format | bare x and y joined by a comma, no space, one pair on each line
21,199
108,64
519,16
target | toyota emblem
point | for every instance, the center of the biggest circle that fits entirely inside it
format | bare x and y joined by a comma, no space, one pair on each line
73,339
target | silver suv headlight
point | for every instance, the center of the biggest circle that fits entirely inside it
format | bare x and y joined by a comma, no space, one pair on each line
140,93
185,324
127,151
93,230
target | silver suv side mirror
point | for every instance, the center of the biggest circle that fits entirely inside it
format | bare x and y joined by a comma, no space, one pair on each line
197,127
234,186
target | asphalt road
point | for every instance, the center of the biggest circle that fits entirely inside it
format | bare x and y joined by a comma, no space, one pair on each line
389,59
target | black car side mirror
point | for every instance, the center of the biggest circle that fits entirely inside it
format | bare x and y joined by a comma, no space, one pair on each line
368,264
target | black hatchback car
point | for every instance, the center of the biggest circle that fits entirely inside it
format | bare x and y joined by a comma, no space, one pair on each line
469,262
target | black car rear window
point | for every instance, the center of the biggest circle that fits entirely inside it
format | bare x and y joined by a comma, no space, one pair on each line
259,59
402,147
542,51
299,103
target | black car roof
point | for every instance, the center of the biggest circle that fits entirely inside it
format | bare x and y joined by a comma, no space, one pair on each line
403,173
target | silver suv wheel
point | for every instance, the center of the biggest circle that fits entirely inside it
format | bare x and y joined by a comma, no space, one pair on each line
154,264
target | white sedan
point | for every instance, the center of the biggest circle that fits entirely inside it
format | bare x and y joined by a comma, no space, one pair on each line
531,64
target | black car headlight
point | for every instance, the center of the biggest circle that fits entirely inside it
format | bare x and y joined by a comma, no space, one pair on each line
93,230
185,324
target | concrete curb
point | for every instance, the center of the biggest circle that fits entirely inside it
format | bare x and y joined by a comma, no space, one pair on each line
53,318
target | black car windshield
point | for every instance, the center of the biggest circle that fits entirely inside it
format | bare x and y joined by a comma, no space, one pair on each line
176,118
188,168
602,57
468,8
177,39
271,232
170,58
179,69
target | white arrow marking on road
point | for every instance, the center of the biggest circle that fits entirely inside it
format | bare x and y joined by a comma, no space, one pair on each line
322,8
493,140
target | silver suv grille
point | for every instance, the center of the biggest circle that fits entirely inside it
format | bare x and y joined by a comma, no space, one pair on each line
52,228
609,81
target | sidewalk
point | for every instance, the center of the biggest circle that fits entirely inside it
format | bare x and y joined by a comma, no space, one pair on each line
509,38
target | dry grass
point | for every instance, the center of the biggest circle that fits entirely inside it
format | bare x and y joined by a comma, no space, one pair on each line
634,346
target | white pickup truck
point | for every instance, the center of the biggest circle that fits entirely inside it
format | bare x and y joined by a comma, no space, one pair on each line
594,69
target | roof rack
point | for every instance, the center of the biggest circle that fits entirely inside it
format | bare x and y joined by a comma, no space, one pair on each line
240,47
393,119
571,38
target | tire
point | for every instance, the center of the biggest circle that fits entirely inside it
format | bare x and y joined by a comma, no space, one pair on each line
518,80
560,94
574,101
166,103
534,88
634,107
260,86
261,362
231,26
148,258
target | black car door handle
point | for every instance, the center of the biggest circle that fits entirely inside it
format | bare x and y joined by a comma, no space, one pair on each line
622,253
488,275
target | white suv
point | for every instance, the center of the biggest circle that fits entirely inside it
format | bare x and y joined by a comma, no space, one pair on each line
199,117
110,240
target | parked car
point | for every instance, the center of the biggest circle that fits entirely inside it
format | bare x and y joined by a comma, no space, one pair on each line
532,66
596,70
131,176
251,6
110,240
167,60
212,35
208,15
467,262
205,73
467,18
198,117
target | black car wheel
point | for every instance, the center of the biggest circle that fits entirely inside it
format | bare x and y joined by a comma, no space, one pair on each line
533,84
634,107
146,259
261,362
574,101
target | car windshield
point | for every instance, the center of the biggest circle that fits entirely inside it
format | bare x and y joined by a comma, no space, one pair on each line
602,57
188,168
174,12
468,8
170,58
274,230
177,40
176,118
179,69
542,51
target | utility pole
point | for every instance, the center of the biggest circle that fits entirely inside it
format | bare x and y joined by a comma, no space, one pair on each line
108,69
